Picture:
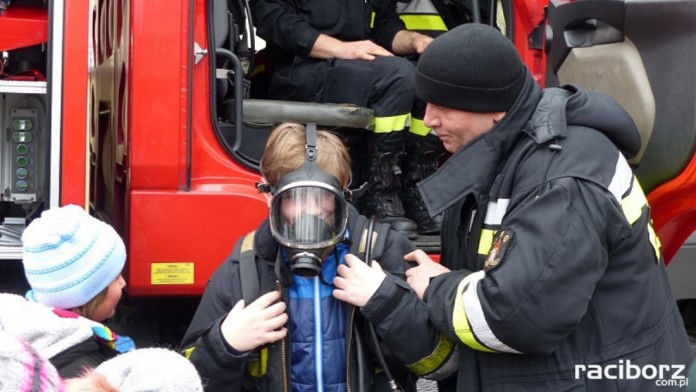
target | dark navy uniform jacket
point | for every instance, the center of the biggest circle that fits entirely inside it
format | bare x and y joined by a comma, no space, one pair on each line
557,269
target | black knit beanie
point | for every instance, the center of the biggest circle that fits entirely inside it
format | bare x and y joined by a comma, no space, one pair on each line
473,68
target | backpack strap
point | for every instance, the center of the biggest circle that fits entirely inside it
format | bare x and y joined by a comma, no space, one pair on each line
248,274
379,239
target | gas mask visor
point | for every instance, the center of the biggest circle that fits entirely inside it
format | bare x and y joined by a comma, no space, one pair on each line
308,214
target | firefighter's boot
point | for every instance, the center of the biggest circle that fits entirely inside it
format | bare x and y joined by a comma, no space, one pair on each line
420,161
380,168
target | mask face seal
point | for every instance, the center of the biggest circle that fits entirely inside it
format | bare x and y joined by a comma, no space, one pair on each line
308,212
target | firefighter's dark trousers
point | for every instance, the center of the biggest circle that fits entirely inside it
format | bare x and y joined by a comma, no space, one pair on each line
385,85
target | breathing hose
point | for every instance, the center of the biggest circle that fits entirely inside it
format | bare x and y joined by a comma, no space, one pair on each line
370,327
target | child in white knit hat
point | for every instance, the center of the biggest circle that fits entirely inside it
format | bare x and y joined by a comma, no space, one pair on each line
73,263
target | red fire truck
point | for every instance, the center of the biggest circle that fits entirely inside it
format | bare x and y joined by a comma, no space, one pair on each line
149,114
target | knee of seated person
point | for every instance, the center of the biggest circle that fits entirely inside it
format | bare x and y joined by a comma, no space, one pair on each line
398,67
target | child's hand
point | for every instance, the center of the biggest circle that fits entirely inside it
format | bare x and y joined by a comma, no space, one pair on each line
246,328
356,283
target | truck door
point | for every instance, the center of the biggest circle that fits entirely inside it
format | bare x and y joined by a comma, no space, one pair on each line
641,53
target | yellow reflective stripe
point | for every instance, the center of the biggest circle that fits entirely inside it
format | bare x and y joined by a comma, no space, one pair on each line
480,330
248,242
372,20
418,128
460,322
433,361
633,204
500,17
423,22
390,124
259,69
486,241
188,352
259,368
655,241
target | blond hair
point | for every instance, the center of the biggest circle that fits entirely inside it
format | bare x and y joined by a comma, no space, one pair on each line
285,153
87,310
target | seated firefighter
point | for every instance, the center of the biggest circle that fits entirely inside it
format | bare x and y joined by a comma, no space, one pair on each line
319,308
337,52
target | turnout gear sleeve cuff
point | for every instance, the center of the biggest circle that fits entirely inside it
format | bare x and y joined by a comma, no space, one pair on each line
305,39
385,299
224,354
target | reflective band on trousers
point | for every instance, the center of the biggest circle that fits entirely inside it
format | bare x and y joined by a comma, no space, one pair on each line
390,124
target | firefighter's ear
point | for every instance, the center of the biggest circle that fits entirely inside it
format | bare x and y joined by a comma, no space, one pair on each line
498,116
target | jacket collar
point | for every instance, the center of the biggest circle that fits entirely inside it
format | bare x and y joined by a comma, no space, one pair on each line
549,119
475,165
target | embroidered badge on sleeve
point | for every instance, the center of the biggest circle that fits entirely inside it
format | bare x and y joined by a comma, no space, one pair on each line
501,244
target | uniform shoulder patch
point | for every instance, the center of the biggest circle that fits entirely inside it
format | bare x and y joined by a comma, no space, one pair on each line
501,244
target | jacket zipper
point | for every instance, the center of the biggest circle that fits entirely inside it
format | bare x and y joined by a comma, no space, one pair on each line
469,224
349,348
318,343
283,346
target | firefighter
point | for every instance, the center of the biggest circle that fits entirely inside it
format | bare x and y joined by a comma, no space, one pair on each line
306,329
344,52
551,277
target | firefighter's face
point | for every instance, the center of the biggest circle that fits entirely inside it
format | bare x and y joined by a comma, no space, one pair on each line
458,128
107,308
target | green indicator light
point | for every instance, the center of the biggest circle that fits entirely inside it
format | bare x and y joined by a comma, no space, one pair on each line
22,149
22,185
22,125
22,137
22,161
22,173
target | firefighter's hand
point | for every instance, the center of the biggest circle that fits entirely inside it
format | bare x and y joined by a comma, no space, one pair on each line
420,42
408,42
361,50
262,322
356,282
419,277
326,47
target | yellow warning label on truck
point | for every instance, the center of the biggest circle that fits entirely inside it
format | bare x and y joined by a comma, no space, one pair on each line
171,273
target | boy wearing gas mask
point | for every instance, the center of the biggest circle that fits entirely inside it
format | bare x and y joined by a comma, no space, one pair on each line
324,320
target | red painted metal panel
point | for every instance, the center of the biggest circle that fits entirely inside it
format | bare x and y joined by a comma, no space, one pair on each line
165,223
199,226
73,186
157,91
527,16
674,210
22,26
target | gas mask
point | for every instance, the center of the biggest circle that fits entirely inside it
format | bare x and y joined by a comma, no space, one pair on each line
308,213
